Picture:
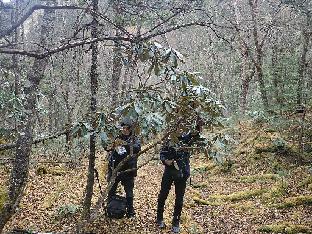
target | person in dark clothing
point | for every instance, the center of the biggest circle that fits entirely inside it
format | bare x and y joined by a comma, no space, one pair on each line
124,143
177,170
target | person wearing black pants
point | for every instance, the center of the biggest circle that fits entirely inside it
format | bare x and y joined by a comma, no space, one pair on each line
122,149
177,171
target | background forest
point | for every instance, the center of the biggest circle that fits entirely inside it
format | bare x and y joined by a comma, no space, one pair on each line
71,70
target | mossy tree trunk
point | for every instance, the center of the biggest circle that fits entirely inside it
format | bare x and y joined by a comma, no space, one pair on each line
117,57
93,106
247,69
306,35
19,173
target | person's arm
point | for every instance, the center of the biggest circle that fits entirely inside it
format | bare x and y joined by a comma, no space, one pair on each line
190,138
166,156
136,145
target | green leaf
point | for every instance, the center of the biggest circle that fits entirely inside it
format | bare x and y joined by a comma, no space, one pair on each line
137,108
104,138
157,69
168,107
76,130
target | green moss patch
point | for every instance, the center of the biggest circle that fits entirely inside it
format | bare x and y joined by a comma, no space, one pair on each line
261,178
204,167
206,202
242,195
219,199
295,201
306,182
285,228
244,206
277,191
42,170
3,197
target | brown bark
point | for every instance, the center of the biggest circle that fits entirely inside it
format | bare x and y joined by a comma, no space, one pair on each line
247,69
258,53
127,74
303,61
19,173
93,106
116,72
275,76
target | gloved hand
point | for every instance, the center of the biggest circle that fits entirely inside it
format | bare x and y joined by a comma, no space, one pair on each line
121,150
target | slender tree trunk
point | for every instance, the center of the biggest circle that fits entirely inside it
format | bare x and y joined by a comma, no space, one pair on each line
127,74
303,62
116,73
245,78
52,106
19,173
117,58
258,53
15,57
93,106
275,76
247,70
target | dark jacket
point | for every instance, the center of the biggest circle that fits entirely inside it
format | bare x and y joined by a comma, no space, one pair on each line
115,158
171,151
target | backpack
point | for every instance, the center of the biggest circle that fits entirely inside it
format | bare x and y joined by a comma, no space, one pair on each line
116,207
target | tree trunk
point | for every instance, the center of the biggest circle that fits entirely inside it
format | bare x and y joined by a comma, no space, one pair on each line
19,173
93,106
127,75
303,61
116,73
258,53
117,58
15,59
275,76
247,70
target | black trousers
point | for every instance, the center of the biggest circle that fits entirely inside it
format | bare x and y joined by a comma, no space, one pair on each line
127,183
168,179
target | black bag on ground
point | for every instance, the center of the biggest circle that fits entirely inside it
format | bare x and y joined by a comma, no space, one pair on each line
116,207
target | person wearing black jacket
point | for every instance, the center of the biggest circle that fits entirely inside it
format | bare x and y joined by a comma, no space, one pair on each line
177,171
124,142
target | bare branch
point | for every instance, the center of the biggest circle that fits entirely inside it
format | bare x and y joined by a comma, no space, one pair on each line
175,28
67,46
36,141
31,11
163,22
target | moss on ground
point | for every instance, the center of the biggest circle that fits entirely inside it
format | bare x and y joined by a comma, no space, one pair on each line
57,171
285,228
261,178
204,167
207,202
244,206
242,195
3,197
306,182
295,201
219,199
277,191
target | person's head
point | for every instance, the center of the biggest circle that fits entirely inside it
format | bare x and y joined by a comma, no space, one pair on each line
126,129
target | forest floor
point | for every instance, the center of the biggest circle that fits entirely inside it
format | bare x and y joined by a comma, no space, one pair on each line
258,191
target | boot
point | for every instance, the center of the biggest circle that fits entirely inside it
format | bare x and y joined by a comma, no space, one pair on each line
130,209
161,224
160,219
176,224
